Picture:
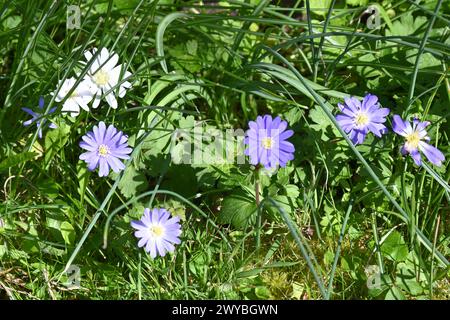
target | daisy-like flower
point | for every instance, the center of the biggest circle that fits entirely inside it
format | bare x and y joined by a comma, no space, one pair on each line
80,97
105,148
266,140
38,117
414,134
157,231
357,118
103,75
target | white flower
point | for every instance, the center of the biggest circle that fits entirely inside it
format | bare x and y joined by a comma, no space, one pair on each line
80,97
103,75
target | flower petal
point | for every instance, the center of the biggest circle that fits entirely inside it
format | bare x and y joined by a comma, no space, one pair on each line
434,155
353,104
41,102
415,154
103,168
111,99
29,111
115,164
399,126
369,101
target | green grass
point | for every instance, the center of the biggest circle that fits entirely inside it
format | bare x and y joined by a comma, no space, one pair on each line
336,212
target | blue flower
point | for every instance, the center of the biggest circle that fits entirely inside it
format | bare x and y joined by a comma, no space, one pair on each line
105,147
158,231
359,118
414,134
267,142
38,117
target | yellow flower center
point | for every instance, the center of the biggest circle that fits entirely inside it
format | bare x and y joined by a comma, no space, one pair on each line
413,140
103,150
156,231
267,143
361,119
101,77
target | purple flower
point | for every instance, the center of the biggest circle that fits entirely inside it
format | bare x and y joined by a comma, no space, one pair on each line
38,117
357,118
266,140
157,231
414,135
104,149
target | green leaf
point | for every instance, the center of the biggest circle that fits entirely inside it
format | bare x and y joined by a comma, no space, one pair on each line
67,232
55,140
409,285
132,182
406,26
191,47
426,59
321,121
158,86
160,35
328,257
176,208
284,202
237,210
83,175
12,22
184,57
394,247
16,159
292,191
48,187
181,179
198,263
262,292
3,250
411,270
126,5
320,7
357,2
187,122
394,293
